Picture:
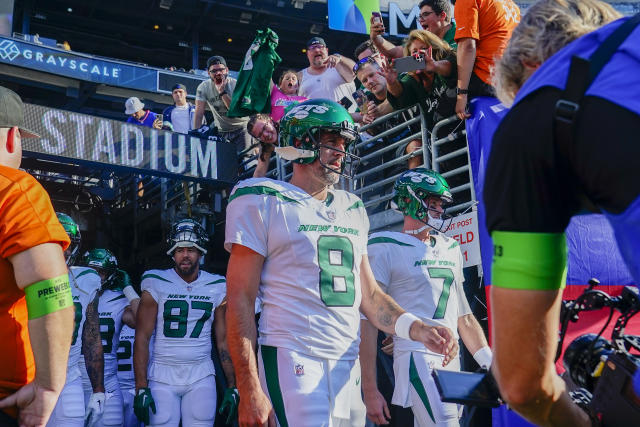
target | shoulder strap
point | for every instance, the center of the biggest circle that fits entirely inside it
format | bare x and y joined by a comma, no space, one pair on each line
582,73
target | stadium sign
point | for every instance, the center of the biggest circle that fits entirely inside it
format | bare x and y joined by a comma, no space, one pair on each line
86,67
68,136
464,229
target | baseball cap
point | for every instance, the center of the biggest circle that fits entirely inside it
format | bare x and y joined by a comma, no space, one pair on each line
316,40
216,60
179,86
12,113
132,105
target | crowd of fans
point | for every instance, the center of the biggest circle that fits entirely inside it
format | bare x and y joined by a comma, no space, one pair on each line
457,57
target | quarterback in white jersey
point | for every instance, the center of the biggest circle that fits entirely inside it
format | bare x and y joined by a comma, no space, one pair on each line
184,307
116,307
422,270
85,282
302,247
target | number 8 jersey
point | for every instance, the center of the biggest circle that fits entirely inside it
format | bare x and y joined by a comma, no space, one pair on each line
310,282
181,351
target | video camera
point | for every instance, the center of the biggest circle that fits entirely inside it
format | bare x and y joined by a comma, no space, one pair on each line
602,370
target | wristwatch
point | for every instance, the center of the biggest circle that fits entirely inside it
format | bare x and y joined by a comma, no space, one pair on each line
461,91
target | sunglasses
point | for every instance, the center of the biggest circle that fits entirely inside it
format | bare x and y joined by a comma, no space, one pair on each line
366,60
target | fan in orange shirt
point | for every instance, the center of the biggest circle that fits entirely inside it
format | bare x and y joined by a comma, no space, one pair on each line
483,28
36,314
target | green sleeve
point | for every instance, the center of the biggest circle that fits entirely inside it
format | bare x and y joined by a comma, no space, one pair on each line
412,93
529,261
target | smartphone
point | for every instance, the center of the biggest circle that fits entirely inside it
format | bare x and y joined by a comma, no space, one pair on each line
346,102
376,18
409,63
467,388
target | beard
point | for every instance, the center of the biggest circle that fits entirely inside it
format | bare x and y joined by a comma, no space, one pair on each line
186,270
329,176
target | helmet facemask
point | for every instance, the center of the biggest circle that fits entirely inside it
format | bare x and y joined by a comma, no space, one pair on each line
187,233
350,162
439,221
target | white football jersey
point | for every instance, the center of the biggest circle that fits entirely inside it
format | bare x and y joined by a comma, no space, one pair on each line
310,281
423,278
185,315
84,282
125,358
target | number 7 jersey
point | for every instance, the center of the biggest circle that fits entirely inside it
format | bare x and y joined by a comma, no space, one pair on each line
310,281
183,324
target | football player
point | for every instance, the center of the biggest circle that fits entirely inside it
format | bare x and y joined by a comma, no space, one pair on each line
184,306
117,305
85,283
302,246
125,375
421,269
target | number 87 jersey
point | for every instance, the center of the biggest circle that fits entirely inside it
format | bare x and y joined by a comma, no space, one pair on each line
310,282
183,324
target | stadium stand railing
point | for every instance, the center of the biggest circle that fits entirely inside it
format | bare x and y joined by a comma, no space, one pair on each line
382,160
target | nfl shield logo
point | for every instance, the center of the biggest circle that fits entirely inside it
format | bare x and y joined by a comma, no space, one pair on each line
331,215
299,369
189,288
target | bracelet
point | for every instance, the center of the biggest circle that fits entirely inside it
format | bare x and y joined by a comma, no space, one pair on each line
130,293
403,325
461,91
483,357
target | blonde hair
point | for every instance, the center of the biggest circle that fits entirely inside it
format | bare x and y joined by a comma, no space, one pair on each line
547,27
439,48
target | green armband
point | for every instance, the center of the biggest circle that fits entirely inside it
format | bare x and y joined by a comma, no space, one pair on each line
47,296
530,261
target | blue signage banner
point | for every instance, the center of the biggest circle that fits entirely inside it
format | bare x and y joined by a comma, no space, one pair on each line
86,67
110,144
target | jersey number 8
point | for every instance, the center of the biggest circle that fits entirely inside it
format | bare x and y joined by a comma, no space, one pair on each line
335,258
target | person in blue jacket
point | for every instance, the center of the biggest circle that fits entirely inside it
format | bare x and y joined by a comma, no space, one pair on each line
563,148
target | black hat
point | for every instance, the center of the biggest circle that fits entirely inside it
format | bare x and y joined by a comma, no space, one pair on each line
316,40
12,113
216,60
179,86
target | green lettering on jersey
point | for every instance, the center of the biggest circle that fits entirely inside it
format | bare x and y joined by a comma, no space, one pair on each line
337,279
176,323
77,320
447,275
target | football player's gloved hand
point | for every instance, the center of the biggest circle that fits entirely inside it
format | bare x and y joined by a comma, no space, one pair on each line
230,404
95,409
141,404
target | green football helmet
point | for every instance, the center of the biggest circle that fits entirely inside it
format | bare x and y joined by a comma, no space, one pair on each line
103,261
73,231
410,194
187,233
304,122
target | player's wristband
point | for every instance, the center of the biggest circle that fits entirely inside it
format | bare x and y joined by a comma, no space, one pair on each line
403,325
130,293
483,357
48,296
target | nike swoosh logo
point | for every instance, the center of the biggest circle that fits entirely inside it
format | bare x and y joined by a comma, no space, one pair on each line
357,381
461,28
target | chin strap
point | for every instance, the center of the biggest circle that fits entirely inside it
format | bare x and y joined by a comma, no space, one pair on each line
418,230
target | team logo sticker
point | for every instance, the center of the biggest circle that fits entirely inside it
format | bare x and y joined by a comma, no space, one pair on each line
299,369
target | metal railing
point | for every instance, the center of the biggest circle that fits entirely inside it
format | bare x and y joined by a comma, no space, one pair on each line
383,159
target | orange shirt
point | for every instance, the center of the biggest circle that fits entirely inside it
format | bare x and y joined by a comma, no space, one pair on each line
27,219
490,23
